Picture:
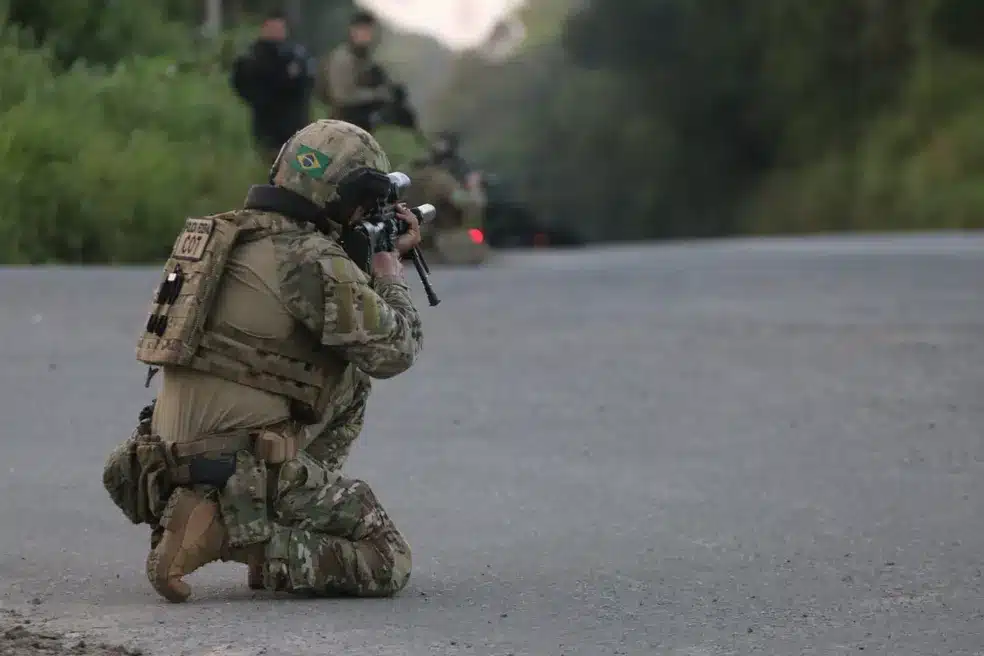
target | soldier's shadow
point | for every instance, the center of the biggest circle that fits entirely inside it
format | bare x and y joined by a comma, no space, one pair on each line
231,588
243,595
261,599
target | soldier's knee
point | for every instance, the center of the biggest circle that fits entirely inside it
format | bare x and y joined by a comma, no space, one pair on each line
392,569
402,564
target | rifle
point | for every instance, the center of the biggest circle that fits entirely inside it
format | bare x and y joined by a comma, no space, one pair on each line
378,231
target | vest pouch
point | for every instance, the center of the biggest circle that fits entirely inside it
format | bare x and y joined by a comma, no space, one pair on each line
299,482
136,476
303,472
243,502
182,301
275,448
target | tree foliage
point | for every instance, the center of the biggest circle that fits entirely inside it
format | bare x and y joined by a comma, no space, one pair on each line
684,118
116,123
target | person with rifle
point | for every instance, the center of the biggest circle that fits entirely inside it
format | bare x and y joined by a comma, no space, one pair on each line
275,77
355,86
444,179
269,320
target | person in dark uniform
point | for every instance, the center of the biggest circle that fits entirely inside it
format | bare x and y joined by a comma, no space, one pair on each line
275,77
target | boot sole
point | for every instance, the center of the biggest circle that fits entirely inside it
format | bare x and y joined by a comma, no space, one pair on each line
157,575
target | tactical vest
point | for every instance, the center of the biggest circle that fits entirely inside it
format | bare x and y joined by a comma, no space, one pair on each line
178,332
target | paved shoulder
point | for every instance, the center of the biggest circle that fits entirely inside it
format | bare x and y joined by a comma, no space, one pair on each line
750,446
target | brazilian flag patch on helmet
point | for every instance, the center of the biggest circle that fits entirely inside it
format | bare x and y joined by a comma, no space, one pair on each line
310,162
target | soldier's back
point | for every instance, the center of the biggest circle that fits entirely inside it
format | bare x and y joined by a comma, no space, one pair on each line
252,300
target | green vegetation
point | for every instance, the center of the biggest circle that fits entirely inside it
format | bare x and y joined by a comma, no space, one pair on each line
102,154
676,118
115,125
630,118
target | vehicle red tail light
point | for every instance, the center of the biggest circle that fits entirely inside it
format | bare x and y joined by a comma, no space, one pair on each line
476,236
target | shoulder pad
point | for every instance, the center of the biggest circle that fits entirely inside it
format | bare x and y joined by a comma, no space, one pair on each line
231,215
269,220
242,219
301,245
340,268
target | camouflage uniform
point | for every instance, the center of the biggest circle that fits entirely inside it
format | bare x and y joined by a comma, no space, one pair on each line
457,206
330,441
288,513
353,85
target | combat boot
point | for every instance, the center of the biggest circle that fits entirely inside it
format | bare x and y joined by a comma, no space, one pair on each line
255,557
194,536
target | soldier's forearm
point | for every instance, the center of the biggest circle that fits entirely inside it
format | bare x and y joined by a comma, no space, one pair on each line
401,350
381,334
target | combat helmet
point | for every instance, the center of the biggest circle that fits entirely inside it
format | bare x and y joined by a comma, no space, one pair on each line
313,161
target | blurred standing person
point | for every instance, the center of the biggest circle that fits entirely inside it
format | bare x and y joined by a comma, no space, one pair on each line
350,81
275,77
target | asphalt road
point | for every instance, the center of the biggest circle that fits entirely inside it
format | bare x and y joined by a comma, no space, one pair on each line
739,447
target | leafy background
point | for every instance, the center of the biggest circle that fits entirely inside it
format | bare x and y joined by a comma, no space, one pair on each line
631,119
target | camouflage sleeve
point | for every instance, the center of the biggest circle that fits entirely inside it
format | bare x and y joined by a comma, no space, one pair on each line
376,327
343,86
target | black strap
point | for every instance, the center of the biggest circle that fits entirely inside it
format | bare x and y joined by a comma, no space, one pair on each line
270,198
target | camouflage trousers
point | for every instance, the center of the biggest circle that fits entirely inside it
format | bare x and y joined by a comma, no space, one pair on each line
336,537
332,536
330,443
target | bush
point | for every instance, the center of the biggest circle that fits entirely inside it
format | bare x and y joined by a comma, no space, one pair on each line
97,32
116,123
104,167
674,118
918,167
